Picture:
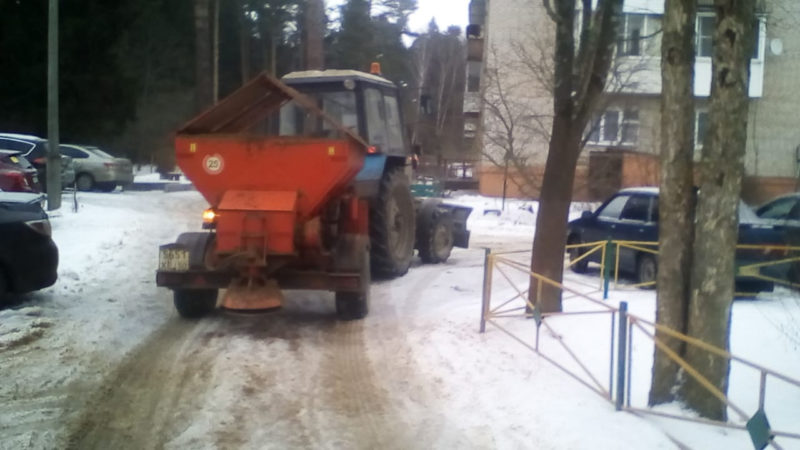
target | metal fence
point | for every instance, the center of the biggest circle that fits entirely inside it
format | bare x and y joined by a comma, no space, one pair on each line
783,255
623,326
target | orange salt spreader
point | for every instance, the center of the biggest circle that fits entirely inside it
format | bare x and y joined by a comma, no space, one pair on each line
307,179
283,211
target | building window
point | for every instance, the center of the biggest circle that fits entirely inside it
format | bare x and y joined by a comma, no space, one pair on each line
630,127
631,32
639,35
705,33
756,38
700,128
609,130
474,31
615,127
473,76
426,105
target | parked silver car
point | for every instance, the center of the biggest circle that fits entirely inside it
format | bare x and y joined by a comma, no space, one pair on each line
34,149
96,169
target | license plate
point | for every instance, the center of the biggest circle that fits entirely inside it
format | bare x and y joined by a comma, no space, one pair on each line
173,259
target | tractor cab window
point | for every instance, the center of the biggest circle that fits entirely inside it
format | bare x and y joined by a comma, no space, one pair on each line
376,118
393,125
383,121
341,106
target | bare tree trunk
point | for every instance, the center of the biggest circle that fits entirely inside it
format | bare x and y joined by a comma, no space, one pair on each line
273,57
547,256
215,52
575,97
313,28
244,42
716,230
676,205
203,85
551,220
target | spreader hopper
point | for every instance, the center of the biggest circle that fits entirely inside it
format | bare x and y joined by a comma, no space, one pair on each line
262,185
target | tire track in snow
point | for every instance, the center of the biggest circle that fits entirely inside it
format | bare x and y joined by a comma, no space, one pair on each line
418,419
349,395
141,401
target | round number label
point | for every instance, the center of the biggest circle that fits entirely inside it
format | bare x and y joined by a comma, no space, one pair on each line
213,164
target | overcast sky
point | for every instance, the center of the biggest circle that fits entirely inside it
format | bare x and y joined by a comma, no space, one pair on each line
446,12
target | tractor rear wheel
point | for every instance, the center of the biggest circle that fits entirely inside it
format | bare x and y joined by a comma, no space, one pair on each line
392,226
434,235
195,303
355,305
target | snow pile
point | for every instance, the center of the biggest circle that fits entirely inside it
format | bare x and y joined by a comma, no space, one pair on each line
149,174
21,326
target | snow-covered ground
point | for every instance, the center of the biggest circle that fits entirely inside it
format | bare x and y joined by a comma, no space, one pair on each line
101,359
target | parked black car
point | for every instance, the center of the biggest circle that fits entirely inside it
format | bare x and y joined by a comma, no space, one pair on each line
783,213
29,257
632,215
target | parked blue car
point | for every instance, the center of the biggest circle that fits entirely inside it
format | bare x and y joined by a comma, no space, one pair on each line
632,215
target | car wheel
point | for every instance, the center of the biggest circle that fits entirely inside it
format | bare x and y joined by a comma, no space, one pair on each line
646,270
84,182
574,253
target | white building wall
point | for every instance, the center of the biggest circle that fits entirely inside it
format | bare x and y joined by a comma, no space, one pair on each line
773,147
518,55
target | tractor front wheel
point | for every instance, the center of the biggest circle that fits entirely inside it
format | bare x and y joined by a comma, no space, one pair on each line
392,226
434,234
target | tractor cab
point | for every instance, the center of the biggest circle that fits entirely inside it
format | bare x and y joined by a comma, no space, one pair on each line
364,103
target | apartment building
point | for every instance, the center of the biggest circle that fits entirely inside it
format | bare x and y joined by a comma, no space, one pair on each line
623,142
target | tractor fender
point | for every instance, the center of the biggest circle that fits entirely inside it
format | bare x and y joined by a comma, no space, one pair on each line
197,243
368,180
